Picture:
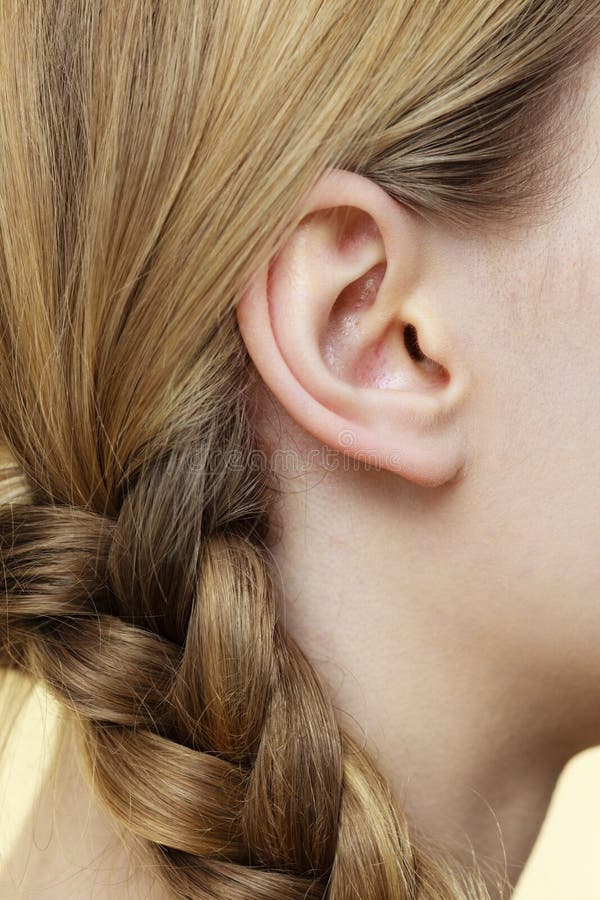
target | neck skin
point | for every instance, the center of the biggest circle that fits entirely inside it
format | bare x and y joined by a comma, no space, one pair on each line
469,730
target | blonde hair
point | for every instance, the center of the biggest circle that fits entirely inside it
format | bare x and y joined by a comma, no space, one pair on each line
153,155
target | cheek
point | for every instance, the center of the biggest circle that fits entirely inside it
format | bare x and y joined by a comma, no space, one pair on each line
547,358
566,377
533,537
536,431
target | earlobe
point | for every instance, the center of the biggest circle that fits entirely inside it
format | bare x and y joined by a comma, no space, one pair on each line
344,338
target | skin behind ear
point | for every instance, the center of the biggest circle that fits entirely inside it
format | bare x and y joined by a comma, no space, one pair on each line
343,333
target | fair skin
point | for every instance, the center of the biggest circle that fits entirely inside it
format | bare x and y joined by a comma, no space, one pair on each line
446,593
449,593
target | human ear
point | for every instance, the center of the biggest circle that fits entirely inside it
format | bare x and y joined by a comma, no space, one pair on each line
343,332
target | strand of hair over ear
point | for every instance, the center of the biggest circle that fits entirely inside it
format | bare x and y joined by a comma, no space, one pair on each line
221,750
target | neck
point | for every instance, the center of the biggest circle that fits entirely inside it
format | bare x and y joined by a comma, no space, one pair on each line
469,735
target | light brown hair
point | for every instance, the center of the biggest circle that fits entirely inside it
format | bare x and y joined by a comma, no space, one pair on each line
152,154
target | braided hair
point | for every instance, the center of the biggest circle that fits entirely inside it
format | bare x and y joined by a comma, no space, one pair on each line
152,154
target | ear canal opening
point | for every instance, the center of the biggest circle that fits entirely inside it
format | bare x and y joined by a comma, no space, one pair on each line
438,373
411,342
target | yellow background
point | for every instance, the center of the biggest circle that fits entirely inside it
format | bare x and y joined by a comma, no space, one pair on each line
563,866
